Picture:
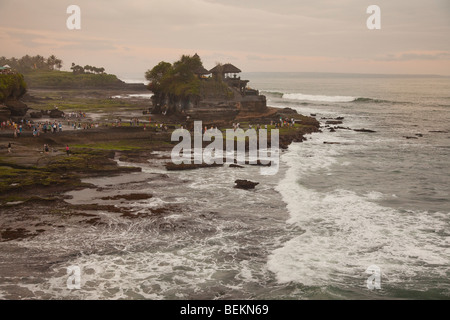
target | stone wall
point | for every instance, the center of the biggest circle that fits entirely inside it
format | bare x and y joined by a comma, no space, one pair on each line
253,103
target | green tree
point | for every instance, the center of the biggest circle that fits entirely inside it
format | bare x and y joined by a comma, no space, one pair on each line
175,85
157,75
12,86
51,62
59,64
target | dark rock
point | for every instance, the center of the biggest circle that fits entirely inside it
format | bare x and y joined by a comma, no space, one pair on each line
332,130
343,128
438,131
235,166
313,115
288,111
410,137
419,135
331,142
334,122
192,166
5,113
129,197
55,113
245,184
17,108
364,130
36,115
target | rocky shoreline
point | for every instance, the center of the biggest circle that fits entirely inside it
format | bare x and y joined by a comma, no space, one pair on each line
37,182
34,183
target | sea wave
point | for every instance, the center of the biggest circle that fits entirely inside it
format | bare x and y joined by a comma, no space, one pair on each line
137,95
135,81
345,232
320,98
273,93
363,100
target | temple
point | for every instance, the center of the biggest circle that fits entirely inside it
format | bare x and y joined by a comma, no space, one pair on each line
6,70
216,93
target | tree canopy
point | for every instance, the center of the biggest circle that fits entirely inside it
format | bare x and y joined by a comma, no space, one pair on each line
177,79
12,86
87,69
29,63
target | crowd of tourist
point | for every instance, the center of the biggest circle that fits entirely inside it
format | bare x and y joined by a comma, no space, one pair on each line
75,122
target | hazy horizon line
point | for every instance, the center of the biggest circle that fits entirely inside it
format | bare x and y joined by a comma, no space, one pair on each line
355,73
403,75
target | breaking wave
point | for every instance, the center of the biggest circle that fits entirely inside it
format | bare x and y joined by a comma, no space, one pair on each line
321,98
363,100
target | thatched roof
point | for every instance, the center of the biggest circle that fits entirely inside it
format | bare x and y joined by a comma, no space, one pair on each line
201,71
226,68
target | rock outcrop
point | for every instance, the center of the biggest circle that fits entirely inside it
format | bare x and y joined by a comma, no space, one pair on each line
17,108
36,115
55,113
364,130
181,167
245,184
334,122
5,113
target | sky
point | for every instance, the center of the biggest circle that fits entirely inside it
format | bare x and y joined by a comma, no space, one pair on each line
130,37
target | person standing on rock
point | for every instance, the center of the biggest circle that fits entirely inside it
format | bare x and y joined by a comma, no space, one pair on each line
67,150
9,147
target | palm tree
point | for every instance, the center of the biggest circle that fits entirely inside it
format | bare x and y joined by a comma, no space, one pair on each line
89,68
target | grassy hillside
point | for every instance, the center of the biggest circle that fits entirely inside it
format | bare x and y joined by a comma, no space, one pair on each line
62,79
12,86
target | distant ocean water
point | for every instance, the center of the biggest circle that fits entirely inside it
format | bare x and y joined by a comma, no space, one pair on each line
375,198
310,232
134,80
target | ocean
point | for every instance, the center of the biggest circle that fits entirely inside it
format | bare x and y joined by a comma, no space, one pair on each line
374,199
368,200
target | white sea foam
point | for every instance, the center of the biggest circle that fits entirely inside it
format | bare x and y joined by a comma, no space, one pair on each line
134,95
322,98
345,232
135,81
155,275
